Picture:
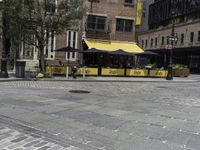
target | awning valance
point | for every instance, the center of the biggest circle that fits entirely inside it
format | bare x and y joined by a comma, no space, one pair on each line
110,46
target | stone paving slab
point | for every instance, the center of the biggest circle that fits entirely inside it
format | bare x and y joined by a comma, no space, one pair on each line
113,116
13,139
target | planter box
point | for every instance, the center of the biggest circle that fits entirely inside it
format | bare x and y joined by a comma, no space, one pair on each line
137,72
88,71
158,73
57,70
112,72
182,72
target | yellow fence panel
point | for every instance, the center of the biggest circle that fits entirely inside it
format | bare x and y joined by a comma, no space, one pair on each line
137,73
57,70
88,71
158,73
112,72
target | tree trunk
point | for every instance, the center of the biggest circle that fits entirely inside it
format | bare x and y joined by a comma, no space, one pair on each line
41,61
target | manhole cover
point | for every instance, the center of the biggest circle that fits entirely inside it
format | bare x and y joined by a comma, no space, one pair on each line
162,87
79,91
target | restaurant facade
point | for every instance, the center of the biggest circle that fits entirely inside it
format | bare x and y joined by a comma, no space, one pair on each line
186,50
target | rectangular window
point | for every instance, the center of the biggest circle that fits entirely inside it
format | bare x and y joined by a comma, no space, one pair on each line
167,39
93,1
50,44
176,41
151,42
124,25
182,38
142,43
156,42
96,22
163,40
69,43
29,4
191,36
50,6
72,37
146,43
129,1
199,36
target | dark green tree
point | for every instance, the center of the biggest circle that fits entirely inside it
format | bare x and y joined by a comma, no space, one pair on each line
32,19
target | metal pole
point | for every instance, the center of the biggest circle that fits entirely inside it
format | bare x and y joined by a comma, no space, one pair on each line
84,71
67,72
6,47
170,66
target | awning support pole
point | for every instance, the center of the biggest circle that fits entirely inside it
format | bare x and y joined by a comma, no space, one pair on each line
84,72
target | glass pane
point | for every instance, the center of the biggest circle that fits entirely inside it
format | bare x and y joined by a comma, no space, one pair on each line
120,25
101,21
128,25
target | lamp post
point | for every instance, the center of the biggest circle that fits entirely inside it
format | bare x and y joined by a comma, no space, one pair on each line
172,38
6,45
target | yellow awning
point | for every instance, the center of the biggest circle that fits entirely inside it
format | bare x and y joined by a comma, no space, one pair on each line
110,46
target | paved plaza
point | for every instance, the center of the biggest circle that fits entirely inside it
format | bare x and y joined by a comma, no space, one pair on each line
40,115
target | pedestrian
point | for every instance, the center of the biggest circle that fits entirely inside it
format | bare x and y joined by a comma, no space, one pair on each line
74,72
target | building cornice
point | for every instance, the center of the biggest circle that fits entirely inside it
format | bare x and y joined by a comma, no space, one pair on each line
168,27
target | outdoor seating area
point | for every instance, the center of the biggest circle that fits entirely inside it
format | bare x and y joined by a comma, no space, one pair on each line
113,58
89,71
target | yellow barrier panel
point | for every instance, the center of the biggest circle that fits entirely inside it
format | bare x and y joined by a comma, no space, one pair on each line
112,72
48,70
137,73
57,70
88,71
158,73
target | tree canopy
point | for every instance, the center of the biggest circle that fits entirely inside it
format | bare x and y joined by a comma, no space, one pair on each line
31,19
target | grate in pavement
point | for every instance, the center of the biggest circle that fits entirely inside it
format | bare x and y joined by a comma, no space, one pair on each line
162,87
79,91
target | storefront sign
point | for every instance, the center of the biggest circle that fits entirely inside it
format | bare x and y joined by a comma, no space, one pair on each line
112,72
88,71
137,73
57,70
158,73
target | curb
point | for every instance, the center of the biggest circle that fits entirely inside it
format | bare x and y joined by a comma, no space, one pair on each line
78,80
93,80
13,80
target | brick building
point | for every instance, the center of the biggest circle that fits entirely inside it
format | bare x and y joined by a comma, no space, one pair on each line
109,20
187,28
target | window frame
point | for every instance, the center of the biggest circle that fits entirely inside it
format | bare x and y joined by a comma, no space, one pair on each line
124,26
52,4
151,42
191,37
156,41
97,18
198,36
182,38
127,3
162,40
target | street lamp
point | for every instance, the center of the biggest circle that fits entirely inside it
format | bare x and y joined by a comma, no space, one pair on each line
172,38
6,45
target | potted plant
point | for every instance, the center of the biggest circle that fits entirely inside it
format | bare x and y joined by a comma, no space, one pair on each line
181,70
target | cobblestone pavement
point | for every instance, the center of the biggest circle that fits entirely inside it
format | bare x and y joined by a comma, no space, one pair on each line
13,139
112,116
